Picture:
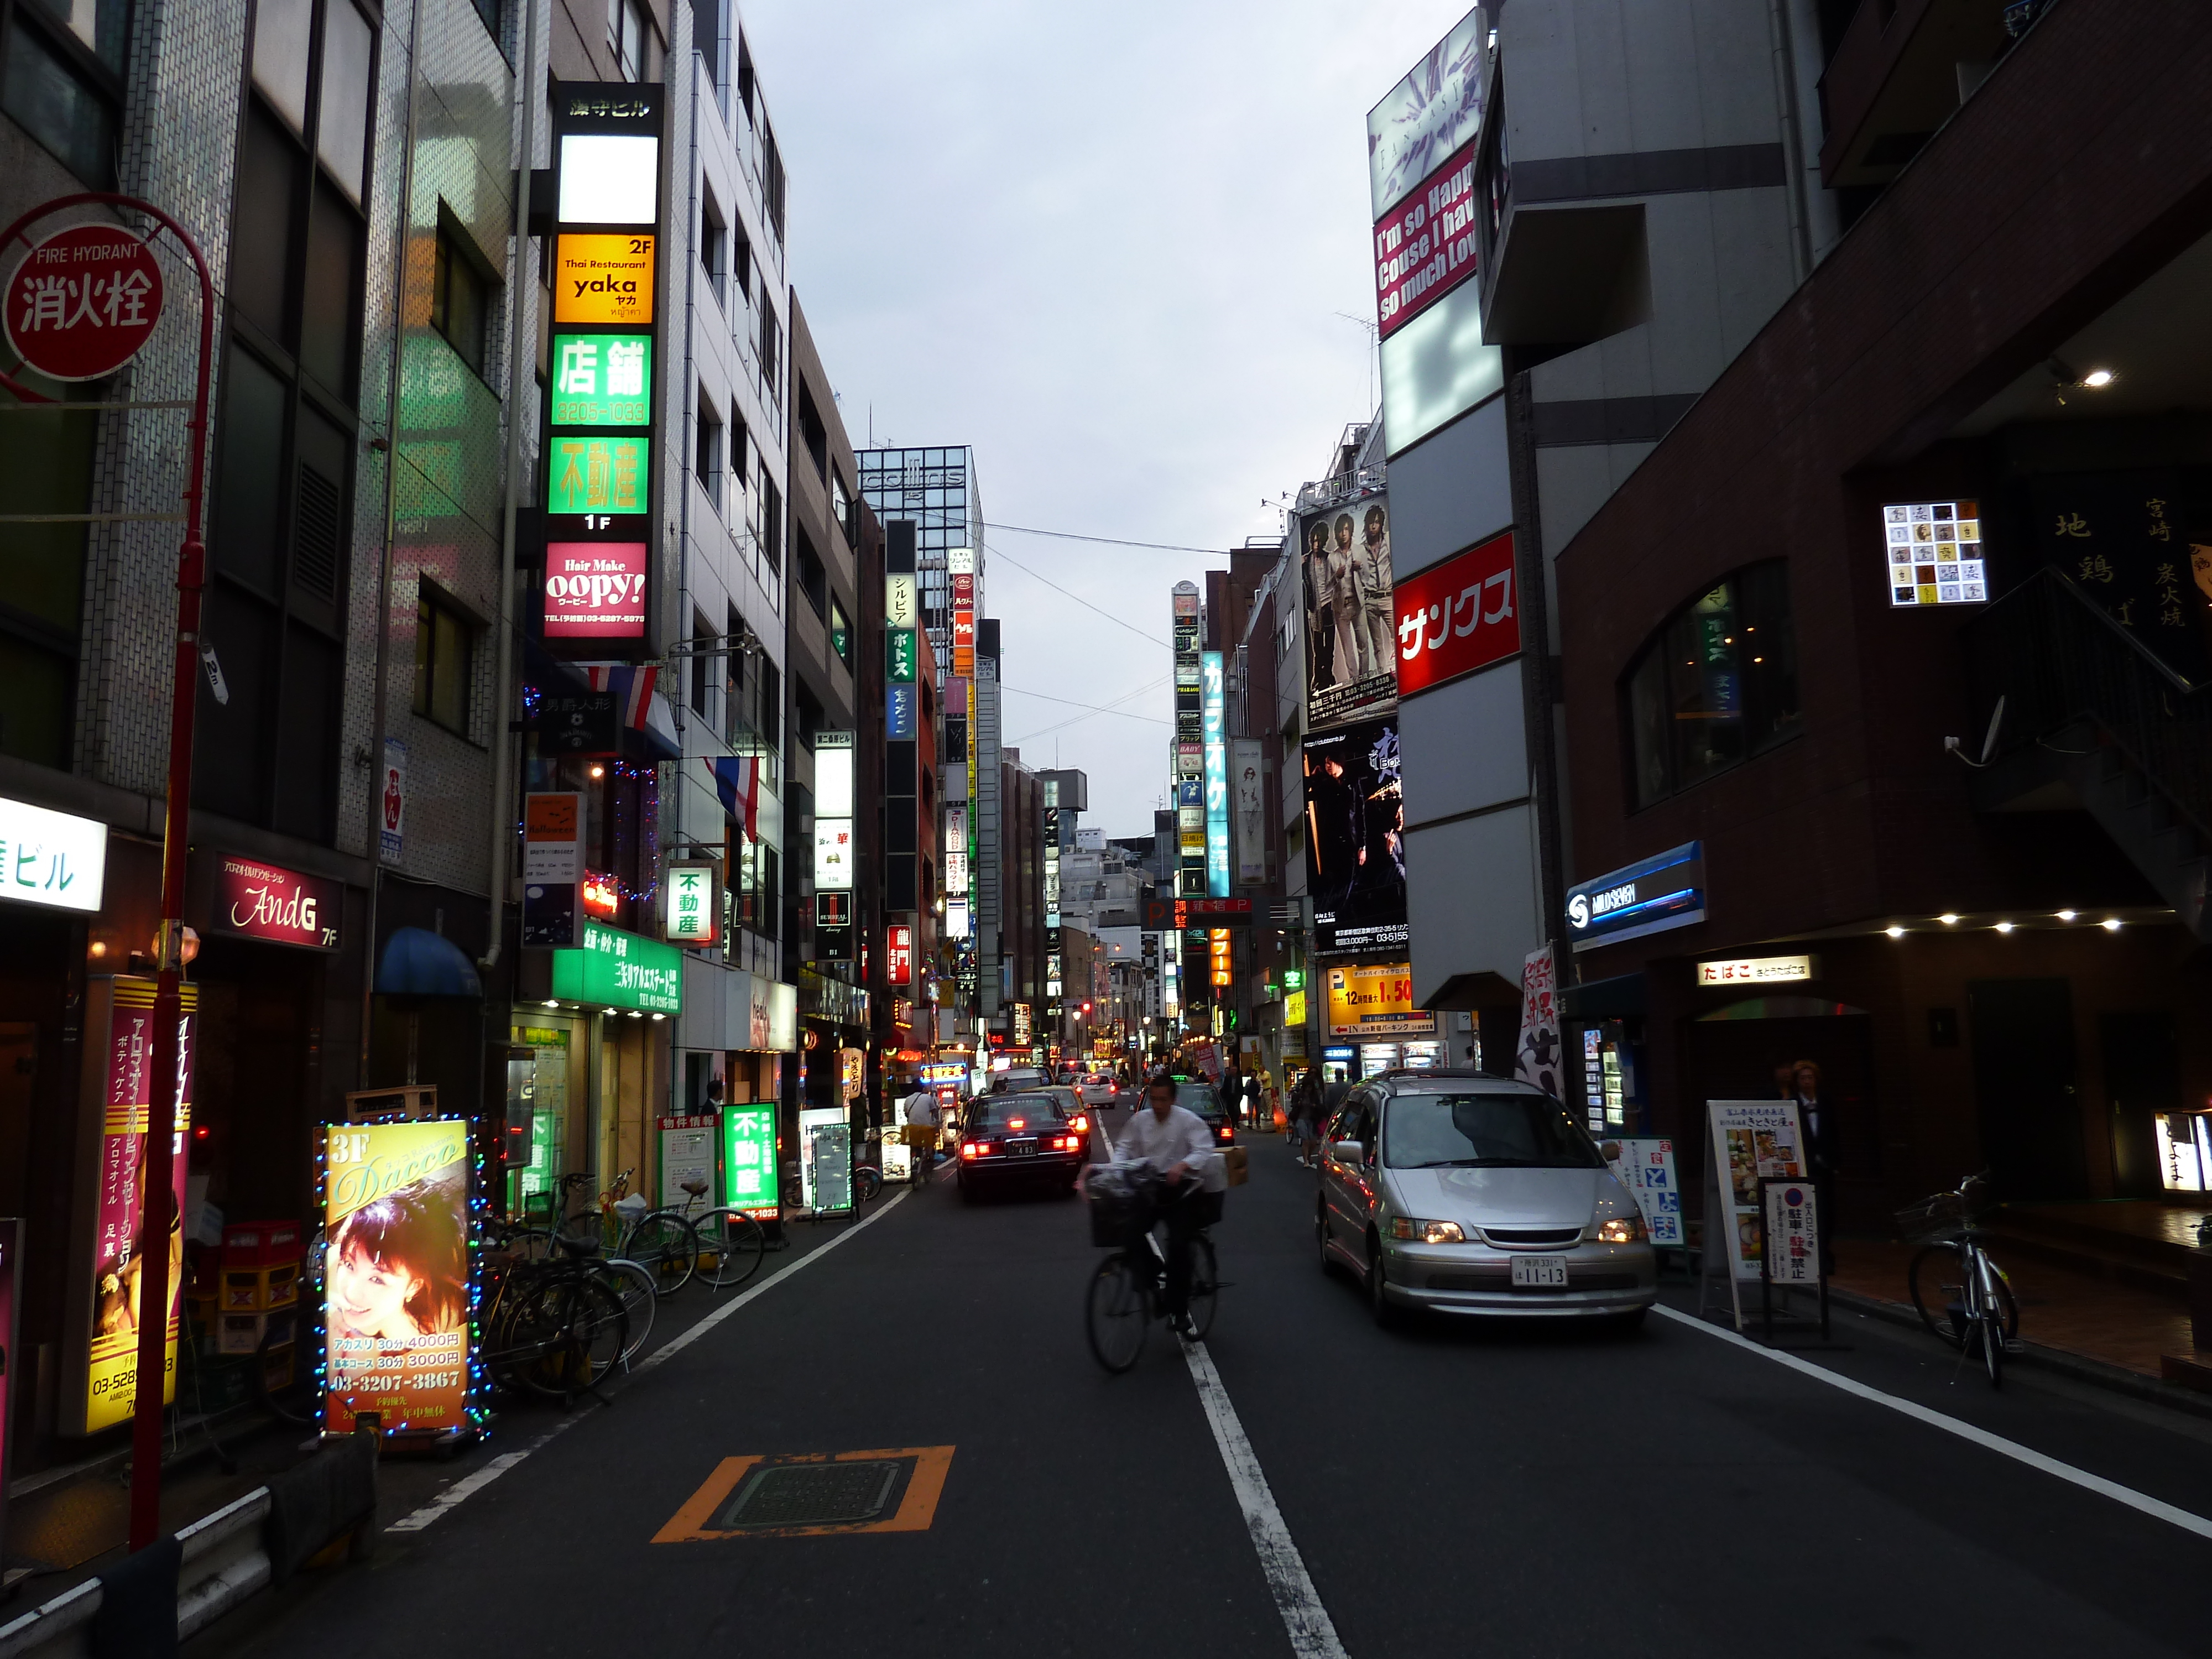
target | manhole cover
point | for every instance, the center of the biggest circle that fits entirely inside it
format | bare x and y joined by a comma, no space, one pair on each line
814,1494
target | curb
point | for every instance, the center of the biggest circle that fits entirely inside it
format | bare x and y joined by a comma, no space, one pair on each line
2082,1369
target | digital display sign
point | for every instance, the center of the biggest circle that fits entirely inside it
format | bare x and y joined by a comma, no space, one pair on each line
396,1274
749,1162
602,379
594,473
1935,553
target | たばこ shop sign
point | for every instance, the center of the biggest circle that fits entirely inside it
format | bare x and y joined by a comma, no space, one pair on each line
267,902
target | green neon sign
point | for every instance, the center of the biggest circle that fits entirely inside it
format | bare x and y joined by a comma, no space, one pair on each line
592,474
602,379
748,1180
618,969
899,655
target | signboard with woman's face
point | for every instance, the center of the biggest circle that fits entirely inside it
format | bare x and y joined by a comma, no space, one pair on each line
396,1274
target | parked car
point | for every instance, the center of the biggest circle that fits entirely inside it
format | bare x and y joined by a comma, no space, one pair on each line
1458,1193
1020,1140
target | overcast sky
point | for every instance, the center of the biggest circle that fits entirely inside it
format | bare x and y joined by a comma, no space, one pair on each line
1108,247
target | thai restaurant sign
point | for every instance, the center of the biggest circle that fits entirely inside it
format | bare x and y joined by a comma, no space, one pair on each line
268,901
107,1300
396,1274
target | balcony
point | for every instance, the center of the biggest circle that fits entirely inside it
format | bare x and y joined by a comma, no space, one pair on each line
1901,69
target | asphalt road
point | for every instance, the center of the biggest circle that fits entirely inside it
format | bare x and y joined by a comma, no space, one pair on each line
1462,1489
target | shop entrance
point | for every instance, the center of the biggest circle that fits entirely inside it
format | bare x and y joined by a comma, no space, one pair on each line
253,1121
2024,1086
2142,1078
1734,1053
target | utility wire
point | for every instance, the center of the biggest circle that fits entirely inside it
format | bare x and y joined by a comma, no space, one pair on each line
1000,553
1109,541
1103,708
1096,708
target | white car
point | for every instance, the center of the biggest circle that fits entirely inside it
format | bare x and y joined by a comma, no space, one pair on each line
1460,1193
1097,1090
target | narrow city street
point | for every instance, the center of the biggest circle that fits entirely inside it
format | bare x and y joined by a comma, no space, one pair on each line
1465,1488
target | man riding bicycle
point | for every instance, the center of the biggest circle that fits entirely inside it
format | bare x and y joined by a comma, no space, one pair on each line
1174,1147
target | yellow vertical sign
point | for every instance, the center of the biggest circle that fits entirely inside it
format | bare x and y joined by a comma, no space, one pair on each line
604,279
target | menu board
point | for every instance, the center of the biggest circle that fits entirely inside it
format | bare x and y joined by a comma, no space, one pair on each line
1935,553
1646,1168
396,1274
1752,1141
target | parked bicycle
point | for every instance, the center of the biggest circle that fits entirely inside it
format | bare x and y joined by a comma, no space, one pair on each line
1959,1292
1125,1295
553,1327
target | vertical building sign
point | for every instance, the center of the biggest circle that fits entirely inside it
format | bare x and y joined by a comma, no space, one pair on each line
1246,781
601,404
552,867
115,1301
1214,724
960,571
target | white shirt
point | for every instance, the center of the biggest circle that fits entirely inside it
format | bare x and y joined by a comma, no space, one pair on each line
921,1108
1162,1143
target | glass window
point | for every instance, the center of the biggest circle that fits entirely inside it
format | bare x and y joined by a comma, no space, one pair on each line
283,31
1485,1131
444,645
60,106
840,633
342,140
1000,1112
1716,686
459,304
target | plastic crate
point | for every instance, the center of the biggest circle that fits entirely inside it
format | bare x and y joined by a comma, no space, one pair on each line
242,1332
261,1244
258,1290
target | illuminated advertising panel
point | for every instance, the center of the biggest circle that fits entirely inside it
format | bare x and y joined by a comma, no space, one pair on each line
898,954
602,379
1217,777
604,279
693,896
267,902
53,860
1425,247
1355,846
596,473
619,970
1351,641
609,177
1935,553
1375,1000
1456,616
112,1295
1428,115
595,590
396,1274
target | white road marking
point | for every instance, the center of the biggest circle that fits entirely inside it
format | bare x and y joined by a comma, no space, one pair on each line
461,1491
2155,1508
1313,1636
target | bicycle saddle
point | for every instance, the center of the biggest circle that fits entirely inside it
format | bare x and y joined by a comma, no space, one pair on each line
578,1249
696,1188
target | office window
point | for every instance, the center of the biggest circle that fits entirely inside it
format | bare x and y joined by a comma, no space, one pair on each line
706,452
813,434
771,522
769,702
630,40
445,651
770,334
460,294
840,633
713,250
703,663
1717,685
813,579
63,80
849,516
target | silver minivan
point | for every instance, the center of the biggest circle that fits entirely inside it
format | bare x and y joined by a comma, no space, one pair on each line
1466,1193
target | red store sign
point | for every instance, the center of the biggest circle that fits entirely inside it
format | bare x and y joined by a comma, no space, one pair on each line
1456,618
898,954
595,590
262,900
1425,245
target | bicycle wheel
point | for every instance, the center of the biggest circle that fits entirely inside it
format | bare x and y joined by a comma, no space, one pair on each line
730,1246
1936,1279
665,1242
867,1182
632,1283
529,1244
1205,1286
592,1331
1117,1312
1993,1346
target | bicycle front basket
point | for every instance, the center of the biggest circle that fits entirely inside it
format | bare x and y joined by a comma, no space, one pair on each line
1937,1216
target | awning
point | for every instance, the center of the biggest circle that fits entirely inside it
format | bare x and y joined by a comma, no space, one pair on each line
417,963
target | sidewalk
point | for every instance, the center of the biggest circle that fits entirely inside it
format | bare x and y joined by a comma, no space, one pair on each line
2079,1313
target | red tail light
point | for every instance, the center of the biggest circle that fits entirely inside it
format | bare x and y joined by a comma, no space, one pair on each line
1016,1122
969,1149
1082,1125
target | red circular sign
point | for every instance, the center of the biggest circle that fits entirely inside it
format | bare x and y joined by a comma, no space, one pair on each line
83,302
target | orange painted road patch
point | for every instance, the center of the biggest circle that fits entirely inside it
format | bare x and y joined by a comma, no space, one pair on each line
806,1495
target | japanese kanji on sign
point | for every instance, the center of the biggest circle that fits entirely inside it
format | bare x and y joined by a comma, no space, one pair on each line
82,302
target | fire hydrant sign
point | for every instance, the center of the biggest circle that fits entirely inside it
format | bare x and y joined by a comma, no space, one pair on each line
82,302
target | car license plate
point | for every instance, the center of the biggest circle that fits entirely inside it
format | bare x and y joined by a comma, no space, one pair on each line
1025,1149
1540,1272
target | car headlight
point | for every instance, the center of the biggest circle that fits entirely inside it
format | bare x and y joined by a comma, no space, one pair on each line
1427,1232
1621,1230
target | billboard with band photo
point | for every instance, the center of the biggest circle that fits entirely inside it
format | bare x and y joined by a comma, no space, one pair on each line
396,1274
1355,839
1352,646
